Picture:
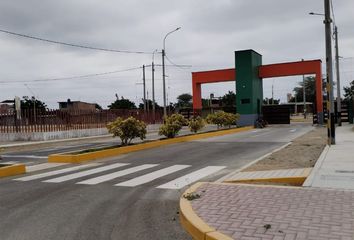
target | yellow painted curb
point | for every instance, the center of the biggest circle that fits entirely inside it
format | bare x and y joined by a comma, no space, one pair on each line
77,158
294,180
12,170
193,224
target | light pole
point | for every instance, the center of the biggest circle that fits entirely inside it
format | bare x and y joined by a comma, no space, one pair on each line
339,103
163,72
304,93
329,71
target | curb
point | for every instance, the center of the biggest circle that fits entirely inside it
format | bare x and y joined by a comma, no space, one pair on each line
12,170
77,158
193,224
308,182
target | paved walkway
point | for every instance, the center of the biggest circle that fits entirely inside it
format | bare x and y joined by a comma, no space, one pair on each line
322,209
269,212
335,167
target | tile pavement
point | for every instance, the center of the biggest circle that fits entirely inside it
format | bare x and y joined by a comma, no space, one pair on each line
269,212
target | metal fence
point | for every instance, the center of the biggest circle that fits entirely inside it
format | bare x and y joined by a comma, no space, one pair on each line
56,120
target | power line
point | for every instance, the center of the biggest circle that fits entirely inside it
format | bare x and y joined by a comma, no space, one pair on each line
71,44
177,65
72,77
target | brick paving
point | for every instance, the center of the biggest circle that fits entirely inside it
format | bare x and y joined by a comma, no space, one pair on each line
248,212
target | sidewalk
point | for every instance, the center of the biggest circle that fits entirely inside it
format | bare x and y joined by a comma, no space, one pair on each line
335,167
322,209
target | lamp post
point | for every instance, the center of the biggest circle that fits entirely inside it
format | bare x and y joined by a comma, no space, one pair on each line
329,71
339,102
163,72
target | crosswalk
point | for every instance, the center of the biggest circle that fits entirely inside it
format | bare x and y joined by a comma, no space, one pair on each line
134,175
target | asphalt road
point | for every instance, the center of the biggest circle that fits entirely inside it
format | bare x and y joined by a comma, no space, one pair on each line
127,203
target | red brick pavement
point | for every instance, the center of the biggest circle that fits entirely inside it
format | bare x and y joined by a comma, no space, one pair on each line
245,212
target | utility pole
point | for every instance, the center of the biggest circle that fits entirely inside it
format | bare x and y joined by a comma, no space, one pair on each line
153,90
339,104
164,84
144,87
304,93
273,92
330,105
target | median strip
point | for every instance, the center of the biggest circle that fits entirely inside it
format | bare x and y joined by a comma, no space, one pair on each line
78,158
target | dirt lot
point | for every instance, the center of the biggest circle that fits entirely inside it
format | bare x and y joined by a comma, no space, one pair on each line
303,152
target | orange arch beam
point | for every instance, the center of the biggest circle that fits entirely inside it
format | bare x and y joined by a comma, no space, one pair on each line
296,68
265,71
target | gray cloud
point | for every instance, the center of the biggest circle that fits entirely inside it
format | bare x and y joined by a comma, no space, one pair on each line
281,30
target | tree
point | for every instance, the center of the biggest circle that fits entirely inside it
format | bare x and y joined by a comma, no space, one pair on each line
122,104
349,91
229,102
31,103
98,107
127,129
310,90
184,100
149,104
172,125
195,124
271,101
222,118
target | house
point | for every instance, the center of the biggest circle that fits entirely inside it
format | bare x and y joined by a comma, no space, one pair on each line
76,105
6,106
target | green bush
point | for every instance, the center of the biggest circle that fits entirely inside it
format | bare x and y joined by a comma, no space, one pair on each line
127,129
172,125
195,124
222,119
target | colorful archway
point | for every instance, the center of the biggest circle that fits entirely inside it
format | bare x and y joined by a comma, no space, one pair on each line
250,73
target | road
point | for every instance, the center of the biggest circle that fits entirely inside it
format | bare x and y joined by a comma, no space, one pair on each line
133,196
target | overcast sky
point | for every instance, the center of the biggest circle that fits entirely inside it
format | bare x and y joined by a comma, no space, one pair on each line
280,30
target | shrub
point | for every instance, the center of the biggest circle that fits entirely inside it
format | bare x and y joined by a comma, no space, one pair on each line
172,125
195,124
127,129
222,118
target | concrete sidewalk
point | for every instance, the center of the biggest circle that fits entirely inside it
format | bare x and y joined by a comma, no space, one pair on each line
335,167
322,209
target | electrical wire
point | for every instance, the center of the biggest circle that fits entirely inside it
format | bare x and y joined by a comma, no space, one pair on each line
177,65
73,77
71,44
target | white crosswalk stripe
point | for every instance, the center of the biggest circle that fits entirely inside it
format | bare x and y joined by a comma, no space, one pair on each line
85,173
43,166
191,177
114,175
9,162
108,172
57,172
152,176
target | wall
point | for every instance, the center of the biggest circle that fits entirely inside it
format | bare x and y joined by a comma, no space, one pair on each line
43,136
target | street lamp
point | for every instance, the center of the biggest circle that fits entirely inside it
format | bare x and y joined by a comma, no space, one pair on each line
329,70
163,72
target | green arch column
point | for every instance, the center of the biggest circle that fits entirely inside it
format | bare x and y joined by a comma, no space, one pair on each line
249,87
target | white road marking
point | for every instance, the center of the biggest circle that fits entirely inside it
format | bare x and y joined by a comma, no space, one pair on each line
52,173
191,177
24,156
9,162
152,176
292,130
43,166
85,173
107,177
